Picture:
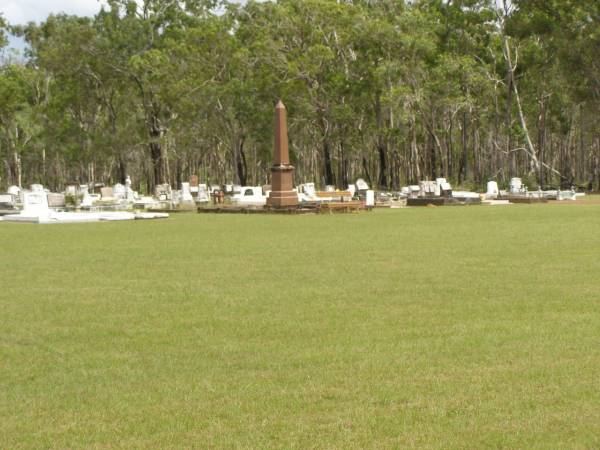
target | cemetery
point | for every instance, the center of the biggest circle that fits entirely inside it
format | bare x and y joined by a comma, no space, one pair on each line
406,326
299,224
121,202
370,319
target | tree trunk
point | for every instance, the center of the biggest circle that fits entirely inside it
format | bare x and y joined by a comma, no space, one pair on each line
464,159
122,169
542,141
432,157
450,149
157,152
366,170
44,177
511,73
18,173
477,156
157,166
242,167
344,167
383,164
381,144
178,172
415,172
328,172
597,164
512,164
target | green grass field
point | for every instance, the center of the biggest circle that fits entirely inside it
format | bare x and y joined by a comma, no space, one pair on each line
472,327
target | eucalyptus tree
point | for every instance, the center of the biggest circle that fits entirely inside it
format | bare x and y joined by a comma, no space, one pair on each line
235,90
72,113
16,127
3,30
391,90
467,38
309,49
139,38
567,37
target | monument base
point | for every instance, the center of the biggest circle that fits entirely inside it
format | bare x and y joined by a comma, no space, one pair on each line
282,199
282,183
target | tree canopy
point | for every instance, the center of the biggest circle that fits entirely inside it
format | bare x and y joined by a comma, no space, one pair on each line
389,90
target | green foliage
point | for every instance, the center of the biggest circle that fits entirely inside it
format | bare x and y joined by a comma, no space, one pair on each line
3,28
392,91
73,200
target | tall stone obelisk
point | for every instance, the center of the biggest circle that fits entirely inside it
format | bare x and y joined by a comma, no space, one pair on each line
282,172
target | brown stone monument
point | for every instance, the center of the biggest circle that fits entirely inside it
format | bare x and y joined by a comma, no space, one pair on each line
282,173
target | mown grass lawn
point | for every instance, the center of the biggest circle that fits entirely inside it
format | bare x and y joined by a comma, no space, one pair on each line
440,328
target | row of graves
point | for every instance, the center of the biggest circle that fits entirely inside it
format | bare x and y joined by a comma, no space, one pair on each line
307,198
120,202
518,192
441,193
437,193
92,203
38,205
80,203
235,198
85,203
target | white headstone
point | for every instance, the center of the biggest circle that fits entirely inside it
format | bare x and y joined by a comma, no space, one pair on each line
250,195
7,200
309,189
119,191
14,190
35,203
370,198
516,186
130,194
203,194
427,188
86,200
445,186
492,190
361,185
186,194
163,192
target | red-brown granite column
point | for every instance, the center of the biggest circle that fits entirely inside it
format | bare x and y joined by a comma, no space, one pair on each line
282,172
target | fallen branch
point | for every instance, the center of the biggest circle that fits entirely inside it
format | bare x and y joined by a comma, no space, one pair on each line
552,169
